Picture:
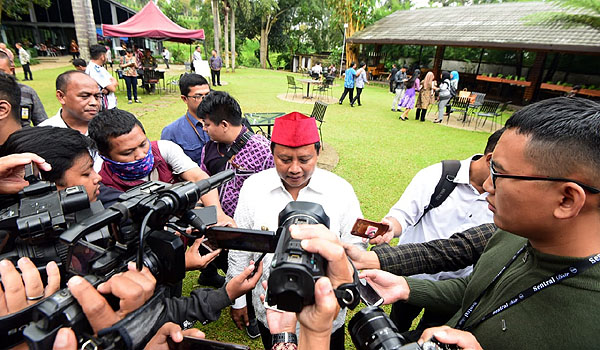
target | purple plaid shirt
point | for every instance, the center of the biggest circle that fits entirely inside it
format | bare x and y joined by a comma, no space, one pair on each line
253,158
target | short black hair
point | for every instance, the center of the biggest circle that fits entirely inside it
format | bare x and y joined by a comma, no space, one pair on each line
317,147
62,80
189,80
96,51
218,106
79,62
111,123
59,147
564,136
10,92
493,141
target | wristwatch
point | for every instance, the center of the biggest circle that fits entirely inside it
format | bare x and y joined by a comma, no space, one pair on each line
285,337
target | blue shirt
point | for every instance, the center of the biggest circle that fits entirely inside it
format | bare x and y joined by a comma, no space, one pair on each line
349,79
181,132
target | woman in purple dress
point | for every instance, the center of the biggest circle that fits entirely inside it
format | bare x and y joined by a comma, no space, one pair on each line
408,101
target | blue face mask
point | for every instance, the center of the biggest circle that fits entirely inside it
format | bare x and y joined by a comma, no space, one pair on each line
132,170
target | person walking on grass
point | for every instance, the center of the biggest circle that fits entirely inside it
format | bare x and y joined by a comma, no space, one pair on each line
349,77
361,79
426,96
408,100
24,58
445,95
129,67
400,80
166,56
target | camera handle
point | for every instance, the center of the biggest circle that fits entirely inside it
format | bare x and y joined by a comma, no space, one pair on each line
347,294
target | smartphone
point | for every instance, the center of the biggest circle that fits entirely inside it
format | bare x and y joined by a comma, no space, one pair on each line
189,343
241,239
368,229
368,295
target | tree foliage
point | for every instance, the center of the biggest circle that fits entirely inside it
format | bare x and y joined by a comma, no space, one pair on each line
15,8
583,13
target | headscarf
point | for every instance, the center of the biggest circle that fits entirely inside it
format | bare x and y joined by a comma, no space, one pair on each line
428,80
454,75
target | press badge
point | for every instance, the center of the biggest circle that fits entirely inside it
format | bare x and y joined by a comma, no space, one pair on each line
25,112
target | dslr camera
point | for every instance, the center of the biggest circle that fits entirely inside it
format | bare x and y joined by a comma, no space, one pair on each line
372,329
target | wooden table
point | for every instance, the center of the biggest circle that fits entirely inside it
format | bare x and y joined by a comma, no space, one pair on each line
261,120
308,82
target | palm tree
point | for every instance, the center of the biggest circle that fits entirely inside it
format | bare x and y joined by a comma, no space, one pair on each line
583,13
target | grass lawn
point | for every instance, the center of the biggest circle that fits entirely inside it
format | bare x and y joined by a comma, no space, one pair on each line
378,154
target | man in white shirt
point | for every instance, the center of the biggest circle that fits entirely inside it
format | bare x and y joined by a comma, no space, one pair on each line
295,146
166,56
463,208
95,69
197,60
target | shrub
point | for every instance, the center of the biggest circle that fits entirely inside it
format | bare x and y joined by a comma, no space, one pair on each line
247,54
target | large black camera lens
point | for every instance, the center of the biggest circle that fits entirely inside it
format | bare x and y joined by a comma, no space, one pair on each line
372,329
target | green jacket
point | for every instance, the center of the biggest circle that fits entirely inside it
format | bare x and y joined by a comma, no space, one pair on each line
562,316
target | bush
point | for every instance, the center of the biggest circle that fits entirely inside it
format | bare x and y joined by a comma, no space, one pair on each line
177,55
247,53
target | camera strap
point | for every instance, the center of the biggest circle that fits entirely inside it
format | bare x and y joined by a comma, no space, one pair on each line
347,294
555,279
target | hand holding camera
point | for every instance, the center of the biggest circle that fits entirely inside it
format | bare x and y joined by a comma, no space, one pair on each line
12,171
450,336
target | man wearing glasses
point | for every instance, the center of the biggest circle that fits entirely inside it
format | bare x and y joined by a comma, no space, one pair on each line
464,207
538,277
187,131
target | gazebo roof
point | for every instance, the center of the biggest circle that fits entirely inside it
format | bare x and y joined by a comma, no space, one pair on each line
488,26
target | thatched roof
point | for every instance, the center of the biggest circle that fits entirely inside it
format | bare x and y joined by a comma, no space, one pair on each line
488,26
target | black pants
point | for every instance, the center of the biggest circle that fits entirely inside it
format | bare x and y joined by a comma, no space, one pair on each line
27,70
75,55
421,112
131,83
403,315
215,76
167,63
346,91
336,342
357,98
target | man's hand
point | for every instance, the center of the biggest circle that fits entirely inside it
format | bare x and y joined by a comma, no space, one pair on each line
22,290
195,261
395,229
12,171
172,330
447,335
318,239
389,286
279,321
133,287
362,259
244,282
240,317
316,321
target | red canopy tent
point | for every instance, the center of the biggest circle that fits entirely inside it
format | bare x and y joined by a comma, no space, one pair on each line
150,22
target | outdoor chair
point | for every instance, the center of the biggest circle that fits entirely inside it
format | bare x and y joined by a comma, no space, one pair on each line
325,87
459,104
479,97
502,109
292,85
318,113
489,109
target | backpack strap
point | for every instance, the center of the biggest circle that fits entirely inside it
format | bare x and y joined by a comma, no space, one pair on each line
233,150
445,185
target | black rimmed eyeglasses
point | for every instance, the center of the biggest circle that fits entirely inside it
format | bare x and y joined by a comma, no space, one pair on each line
495,175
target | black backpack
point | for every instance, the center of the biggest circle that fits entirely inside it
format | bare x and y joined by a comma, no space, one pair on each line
451,88
444,187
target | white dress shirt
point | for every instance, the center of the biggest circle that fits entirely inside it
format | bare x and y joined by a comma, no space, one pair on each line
464,208
103,78
263,196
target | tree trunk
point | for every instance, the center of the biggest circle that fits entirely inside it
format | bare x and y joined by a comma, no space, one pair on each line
264,42
226,37
215,13
82,13
232,39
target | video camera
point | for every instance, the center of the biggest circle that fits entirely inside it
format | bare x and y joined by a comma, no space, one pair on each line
372,329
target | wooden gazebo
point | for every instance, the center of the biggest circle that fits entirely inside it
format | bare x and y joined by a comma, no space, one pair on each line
493,26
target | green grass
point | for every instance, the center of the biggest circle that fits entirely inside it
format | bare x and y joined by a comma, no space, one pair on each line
378,154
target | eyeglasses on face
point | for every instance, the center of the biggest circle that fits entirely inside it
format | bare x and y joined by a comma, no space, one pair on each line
496,175
198,97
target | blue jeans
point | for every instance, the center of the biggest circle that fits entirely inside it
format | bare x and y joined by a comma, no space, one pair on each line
131,83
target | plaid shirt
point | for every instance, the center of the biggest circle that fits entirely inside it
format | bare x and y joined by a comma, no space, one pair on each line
458,251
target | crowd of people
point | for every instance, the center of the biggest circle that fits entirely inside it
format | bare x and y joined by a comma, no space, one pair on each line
500,247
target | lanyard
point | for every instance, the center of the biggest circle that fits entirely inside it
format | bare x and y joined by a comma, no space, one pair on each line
560,276
187,117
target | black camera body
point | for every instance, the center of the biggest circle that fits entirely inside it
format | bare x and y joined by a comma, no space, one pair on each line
294,271
372,329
